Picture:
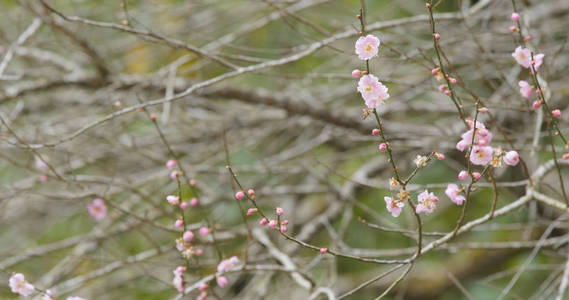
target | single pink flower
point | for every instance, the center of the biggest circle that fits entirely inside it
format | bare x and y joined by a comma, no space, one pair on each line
463,174
184,205
273,224
194,201
279,211
525,89
251,211
188,236
97,209
556,113
284,222
239,195
565,156
513,28
511,158
173,200
522,56
538,60
203,286
19,285
227,264
250,192
453,192
375,131
284,228
204,231
221,281
199,252
179,223
476,175
427,202
393,206
367,47
382,147
481,155
439,156
323,250
174,174
171,163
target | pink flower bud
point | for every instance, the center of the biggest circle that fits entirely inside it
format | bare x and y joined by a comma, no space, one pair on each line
356,73
179,223
382,147
263,222
435,71
439,156
527,38
436,36
513,28
171,163
188,236
483,110
152,117
221,281
375,131
511,158
239,195
463,174
536,104
448,92
192,182
279,211
184,205
174,174
250,192
43,178
251,211
199,252
194,201
566,156
476,175
452,80
442,88
203,286
285,222
556,113
284,229
515,17
273,224
204,231
173,200
323,250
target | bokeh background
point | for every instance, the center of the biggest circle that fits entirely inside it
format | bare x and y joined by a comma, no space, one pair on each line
293,132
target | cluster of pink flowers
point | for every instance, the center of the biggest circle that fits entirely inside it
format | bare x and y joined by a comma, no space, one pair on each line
372,90
481,151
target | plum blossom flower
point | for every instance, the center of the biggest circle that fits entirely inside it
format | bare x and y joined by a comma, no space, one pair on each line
372,90
204,231
481,155
525,89
367,47
393,206
427,202
178,280
522,56
97,209
227,264
188,236
19,285
173,200
356,73
420,161
171,163
323,250
221,281
453,192
511,158
538,60
463,174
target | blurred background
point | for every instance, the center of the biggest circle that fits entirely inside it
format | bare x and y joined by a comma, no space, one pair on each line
292,129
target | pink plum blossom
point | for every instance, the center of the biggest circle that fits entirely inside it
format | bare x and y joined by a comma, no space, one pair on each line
171,163
453,192
367,47
263,222
463,174
511,158
427,202
188,236
173,200
356,73
273,224
227,264
19,285
221,281
284,229
462,145
556,113
481,155
97,209
382,147
179,223
476,175
323,250
184,205
250,192
525,89
239,195
203,286
251,211
194,201
174,174
371,89
522,56
178,281
393,206
204,231
538,60
279,211
202,296
515,17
